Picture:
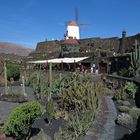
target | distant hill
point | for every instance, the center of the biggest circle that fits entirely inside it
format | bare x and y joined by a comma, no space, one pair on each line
11,48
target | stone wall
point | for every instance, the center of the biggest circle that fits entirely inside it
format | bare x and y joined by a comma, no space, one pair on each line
98,43
49,46
87,45
129,42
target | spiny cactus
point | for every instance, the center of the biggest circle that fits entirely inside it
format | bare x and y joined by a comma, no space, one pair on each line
5,76
124,119
134,112
135,59
80,95
123,108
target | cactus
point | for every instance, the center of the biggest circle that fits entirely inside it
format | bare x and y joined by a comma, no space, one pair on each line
124,108
23,87
135,59
5,76
124,119
79,95
134,112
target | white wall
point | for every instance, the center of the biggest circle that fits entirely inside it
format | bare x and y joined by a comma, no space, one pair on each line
73,31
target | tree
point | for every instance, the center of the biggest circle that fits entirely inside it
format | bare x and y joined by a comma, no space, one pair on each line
13,71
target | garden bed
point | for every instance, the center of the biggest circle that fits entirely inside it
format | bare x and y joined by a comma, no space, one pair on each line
49,129
124,97
121,131
14,98
104,126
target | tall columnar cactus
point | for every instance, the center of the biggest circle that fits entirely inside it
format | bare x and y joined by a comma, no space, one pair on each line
135,59
23,87
5,77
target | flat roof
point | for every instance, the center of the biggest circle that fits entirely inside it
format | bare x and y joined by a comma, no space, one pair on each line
59,60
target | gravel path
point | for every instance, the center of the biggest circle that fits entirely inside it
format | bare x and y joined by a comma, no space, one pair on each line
103,127
6,107
109,128
18,89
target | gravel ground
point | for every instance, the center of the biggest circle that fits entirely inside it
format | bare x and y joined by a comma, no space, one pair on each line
18,89
49,129
6,107
103,127
109,127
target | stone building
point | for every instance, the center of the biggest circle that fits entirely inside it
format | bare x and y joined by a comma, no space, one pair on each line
99,50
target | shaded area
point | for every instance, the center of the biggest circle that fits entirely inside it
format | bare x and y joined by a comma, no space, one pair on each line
135,135
49,129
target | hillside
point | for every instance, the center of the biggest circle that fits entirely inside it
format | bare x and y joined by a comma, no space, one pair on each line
11,48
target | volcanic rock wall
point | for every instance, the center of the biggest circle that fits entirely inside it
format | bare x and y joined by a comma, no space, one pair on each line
129,42
85,44
51,49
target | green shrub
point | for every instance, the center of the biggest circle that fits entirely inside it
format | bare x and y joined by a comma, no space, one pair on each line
123,108
130,89
13,71
134,112
50,110
21,119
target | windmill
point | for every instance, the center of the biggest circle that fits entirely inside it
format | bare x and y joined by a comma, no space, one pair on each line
73,27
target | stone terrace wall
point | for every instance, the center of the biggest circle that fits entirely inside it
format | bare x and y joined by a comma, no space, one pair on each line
85,44
98,43
49,46
129,42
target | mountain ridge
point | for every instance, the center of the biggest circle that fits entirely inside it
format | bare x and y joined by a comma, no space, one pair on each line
13,48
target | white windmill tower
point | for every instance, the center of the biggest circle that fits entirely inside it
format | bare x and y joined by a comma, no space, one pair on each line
73,27
73,30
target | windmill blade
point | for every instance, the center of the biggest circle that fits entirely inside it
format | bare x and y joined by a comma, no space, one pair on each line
61,24
84,24
67,23
64,23
77,15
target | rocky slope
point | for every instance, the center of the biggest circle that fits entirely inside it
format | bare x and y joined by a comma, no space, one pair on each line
11,48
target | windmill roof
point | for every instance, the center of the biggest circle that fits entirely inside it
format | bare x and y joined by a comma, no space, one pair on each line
73,23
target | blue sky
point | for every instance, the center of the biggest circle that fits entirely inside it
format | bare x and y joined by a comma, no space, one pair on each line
27,22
